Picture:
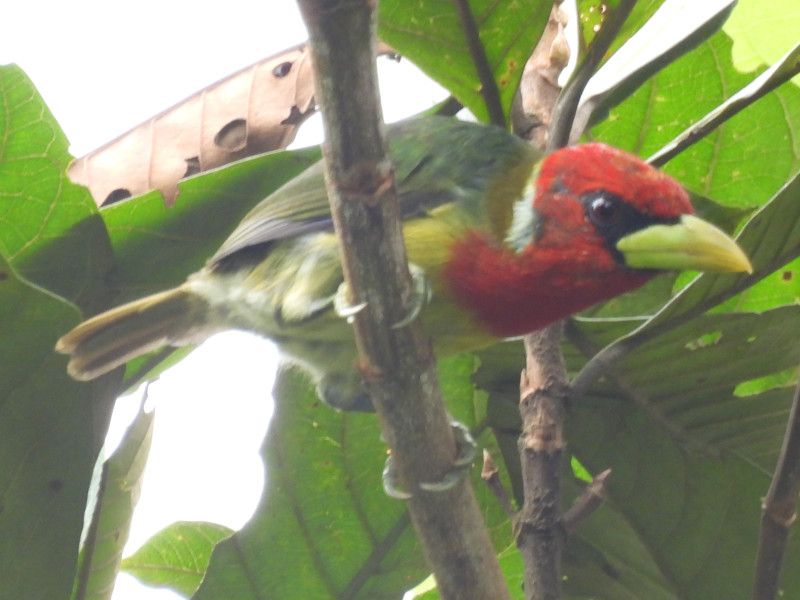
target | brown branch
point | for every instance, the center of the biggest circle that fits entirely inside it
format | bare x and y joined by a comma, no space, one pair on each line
543,385
489,91
491,476
543,392
397,363
592,498
779,509
544,389
532,110
567,104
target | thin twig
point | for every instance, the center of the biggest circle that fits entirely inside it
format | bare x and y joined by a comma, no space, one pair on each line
567,103
592,498
779,509
491,476
489,91
774,77
397,363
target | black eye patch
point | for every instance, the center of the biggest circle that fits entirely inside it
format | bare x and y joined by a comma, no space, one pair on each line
614,218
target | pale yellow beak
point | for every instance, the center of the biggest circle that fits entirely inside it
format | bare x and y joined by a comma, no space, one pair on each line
690,244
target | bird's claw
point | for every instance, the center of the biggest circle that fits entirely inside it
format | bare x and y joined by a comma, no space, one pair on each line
342,305
466,455
391,487
421,295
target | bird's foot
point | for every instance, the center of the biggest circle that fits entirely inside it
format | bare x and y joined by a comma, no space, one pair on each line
466,454
343,306
421,295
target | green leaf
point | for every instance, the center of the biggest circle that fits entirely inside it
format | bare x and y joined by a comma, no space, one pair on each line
592,14
430,34
756,38
776,75
742,163
696,511
177,556
158,246
120,483
49,228
644,54
51,429
324,527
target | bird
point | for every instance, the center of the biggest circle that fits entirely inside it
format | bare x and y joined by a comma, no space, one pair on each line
502,240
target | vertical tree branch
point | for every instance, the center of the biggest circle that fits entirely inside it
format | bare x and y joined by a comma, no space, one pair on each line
397,363
779,509
543,392
544,389
543,385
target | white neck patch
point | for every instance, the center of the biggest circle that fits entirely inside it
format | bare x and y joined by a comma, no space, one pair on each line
520,234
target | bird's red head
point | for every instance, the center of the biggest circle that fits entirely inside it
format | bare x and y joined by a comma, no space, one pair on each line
587,198
592,195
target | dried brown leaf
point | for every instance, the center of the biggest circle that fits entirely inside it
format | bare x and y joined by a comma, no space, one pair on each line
255,110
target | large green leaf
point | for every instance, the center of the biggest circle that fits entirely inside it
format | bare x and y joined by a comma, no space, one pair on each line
49,229
762,36
324,527
779,73
51,429
177,556
661,42
743,162
430,34
119,487
696,510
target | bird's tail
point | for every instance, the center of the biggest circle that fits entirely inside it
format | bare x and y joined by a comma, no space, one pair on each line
112,338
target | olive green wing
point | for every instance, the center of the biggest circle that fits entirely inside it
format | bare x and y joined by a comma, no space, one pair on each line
437,160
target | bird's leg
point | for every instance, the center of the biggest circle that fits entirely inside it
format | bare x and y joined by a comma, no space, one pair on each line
342,304
466,448
421,295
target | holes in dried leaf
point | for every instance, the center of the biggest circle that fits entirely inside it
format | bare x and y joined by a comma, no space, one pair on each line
233,136
282,70
192,166
787,275
115,196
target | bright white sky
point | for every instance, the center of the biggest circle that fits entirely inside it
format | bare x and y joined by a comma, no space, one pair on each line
104,67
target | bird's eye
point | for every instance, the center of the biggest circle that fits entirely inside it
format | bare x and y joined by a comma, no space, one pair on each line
603,210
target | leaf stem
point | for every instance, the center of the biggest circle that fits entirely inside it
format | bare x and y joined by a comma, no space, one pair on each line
489,91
